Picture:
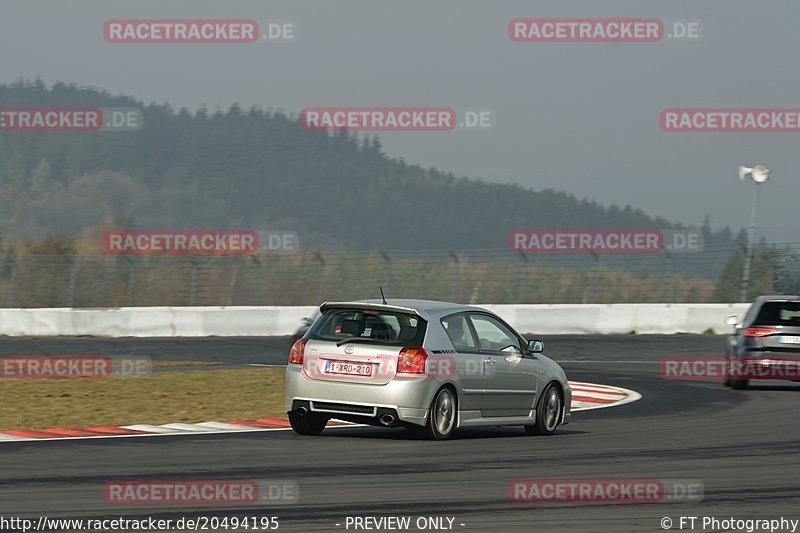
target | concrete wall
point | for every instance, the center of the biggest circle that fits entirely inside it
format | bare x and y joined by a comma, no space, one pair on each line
619,318
253,321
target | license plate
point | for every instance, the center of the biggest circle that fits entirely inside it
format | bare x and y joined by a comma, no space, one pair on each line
348,367
787,339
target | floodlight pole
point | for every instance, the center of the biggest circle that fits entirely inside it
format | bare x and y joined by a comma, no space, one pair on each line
748,258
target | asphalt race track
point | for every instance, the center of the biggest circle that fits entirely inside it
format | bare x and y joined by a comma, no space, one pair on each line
744,446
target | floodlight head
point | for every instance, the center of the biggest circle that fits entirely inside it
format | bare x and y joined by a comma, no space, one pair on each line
744,172
759,173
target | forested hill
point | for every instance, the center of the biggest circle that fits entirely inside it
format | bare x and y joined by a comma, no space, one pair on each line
252,168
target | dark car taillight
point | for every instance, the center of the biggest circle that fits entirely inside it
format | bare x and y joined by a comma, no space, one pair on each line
412,360
297,352
759,332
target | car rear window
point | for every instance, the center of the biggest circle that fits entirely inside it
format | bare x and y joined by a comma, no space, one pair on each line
778,314
372,325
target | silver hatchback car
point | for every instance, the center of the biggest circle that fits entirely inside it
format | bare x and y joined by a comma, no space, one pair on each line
428,366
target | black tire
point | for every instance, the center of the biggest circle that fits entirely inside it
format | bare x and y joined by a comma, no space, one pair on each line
728,381
442,416
308,424
739,384
548,412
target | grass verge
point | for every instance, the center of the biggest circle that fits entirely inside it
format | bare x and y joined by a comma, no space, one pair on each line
178,396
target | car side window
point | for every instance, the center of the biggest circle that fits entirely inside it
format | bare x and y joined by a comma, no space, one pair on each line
748,317
493,335
459,333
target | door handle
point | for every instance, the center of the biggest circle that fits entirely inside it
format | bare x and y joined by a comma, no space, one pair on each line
489,361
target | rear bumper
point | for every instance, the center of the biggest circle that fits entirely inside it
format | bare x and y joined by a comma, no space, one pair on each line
406,399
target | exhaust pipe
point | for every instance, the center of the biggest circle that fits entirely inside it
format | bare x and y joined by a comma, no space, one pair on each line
302,410
387,419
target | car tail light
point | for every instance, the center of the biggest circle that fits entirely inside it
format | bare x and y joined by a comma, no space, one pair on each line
412,360
297,352
759,332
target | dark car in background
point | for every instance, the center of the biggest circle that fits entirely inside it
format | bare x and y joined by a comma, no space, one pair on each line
304,326
766,343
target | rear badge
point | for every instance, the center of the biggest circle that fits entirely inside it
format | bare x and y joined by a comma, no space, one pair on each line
349,349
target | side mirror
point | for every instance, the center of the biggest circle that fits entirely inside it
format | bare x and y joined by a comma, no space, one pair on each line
535,346
307,320
732,320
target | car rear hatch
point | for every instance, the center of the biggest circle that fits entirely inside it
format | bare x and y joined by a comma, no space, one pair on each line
775,329
360,343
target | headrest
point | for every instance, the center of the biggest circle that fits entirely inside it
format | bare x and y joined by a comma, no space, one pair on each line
351,327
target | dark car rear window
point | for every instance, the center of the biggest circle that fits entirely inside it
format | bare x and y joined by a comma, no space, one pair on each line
778,314
389,327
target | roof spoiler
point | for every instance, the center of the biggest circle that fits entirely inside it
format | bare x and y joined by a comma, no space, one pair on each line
367,305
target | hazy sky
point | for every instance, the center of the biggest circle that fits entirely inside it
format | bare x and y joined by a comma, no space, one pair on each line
578,117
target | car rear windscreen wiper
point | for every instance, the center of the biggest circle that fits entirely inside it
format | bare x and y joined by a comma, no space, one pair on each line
354,339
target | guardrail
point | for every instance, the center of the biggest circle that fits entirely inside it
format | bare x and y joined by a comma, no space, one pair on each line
277,320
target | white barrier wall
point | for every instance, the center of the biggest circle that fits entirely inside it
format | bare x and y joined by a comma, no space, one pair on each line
266,321
609,319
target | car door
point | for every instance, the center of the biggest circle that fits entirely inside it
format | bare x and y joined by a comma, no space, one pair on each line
511,375
469,361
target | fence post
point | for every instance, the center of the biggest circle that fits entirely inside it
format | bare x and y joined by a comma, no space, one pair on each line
73,274
322,276
131,281
668,288
456,272
523,277
595,272
386,268
256,265
12,281
193,289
